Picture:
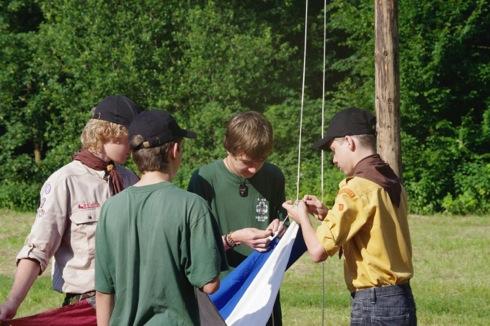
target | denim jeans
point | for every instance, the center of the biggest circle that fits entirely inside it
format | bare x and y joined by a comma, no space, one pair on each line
387,305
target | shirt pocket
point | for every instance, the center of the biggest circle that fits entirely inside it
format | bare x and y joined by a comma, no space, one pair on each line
82,238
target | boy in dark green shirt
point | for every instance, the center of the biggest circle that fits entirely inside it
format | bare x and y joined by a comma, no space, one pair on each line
245,193
155,242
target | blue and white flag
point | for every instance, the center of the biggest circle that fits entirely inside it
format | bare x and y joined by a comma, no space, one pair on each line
246,296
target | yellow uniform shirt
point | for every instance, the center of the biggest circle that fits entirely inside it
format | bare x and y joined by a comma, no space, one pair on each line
372,232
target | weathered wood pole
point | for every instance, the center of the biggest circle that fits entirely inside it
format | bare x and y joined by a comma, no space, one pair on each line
387,81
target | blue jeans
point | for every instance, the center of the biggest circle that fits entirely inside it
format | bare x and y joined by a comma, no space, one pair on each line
387,305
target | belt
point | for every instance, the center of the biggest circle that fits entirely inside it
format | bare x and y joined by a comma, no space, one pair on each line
382,291
72,298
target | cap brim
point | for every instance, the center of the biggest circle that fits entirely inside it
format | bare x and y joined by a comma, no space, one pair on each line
188,134
322,143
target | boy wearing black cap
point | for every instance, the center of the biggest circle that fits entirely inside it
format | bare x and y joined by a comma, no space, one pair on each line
367,224
155,242
69,209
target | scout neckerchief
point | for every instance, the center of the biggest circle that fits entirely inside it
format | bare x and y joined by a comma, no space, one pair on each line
93,162
376,170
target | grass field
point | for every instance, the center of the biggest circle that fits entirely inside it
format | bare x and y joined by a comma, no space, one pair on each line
451,283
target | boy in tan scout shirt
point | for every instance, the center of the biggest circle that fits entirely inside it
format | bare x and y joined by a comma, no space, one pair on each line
367,224
69,208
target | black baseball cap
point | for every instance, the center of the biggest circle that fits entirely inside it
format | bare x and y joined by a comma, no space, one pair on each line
348,122
157,128
118,109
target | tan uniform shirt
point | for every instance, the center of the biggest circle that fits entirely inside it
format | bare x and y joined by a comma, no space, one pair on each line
372,232
65,224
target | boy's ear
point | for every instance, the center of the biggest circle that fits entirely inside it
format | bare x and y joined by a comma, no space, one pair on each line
351,142
175,150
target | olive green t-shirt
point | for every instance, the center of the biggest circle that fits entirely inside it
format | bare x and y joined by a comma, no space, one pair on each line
153,245
263,202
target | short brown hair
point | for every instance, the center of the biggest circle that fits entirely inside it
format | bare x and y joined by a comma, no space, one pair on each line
153,158
97,132
249,133
367,140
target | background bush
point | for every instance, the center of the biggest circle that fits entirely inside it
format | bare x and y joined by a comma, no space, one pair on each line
205,60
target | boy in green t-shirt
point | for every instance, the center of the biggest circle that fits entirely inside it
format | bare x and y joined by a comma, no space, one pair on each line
244,191
155,242
367,224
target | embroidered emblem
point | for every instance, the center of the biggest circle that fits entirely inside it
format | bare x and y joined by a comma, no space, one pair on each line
347,191
88,205
47,188
262,210
341,207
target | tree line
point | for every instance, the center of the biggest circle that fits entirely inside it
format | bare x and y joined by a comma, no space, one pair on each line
205,60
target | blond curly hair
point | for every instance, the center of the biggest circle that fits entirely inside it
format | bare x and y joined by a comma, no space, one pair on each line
98,132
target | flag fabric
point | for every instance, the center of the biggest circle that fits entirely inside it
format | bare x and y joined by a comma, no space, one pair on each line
247,295
79,314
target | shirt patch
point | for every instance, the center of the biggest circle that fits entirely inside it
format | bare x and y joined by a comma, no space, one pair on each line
347,191
47,188
341,207
88,205
262,210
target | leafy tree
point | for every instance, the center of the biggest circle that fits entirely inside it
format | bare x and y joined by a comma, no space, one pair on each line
204,61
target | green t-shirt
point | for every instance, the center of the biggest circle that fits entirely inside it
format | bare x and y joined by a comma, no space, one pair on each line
263,203
153,244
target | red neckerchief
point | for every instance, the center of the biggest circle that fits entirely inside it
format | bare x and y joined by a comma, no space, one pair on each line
93,162
378,171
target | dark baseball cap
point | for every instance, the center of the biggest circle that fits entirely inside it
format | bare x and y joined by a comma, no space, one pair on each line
157,128
118,109
348,122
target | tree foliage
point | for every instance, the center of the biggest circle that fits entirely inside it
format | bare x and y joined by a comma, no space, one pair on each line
205,60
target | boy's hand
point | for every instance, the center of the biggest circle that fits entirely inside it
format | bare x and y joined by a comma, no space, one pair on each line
254,238
297,211
7,311
315,207
277,228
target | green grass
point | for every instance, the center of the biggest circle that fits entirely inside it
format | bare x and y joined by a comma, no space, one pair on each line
14,227
451,283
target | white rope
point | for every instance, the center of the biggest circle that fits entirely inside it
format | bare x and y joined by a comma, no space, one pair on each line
322,152
323,91
322,127
302,104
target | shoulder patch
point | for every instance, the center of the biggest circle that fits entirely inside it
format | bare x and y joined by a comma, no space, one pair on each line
47,188
347,191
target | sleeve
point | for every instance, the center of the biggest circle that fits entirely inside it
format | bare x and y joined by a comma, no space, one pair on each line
205,256
280,189
50,224
348,215
200,186
103,280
